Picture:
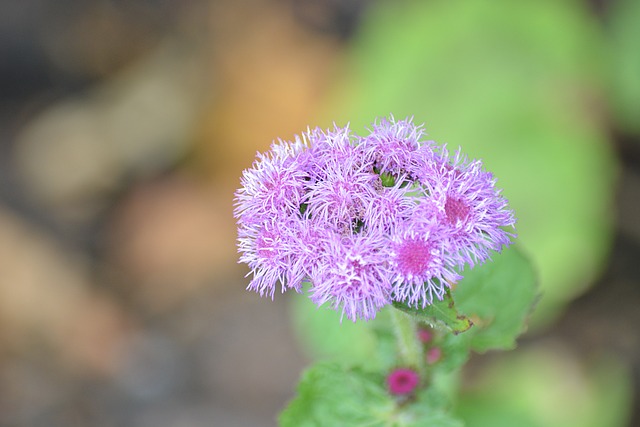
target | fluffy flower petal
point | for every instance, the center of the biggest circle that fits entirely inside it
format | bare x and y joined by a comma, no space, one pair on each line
354,276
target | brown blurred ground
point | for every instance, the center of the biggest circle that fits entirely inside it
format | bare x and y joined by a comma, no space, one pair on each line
124,128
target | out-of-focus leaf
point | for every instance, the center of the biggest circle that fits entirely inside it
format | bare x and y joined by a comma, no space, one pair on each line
513,83
625,62
325,336
371,345
548,387
421,415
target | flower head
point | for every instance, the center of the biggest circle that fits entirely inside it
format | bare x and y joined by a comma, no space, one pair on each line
470,206
269,250
353,276
273,187
329,149
422,268
367,220
394,147
388,207
402,381
342,196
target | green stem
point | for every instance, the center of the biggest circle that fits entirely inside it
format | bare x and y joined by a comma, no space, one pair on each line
406,332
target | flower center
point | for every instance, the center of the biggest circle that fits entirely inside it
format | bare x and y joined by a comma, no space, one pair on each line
413,257
456,210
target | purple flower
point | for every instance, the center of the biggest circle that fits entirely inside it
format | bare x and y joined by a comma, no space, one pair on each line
268,251
422,267
402,381
342,196
354,275
274,186
267,207
387,207
395,147
329,149
470,206
368,221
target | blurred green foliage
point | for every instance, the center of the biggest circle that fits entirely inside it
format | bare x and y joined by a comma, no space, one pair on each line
624,32
515,84
324,336
547,386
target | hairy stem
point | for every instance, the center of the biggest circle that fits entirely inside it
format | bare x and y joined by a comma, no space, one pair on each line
406,332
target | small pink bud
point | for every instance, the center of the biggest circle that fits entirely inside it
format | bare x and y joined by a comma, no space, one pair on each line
425,335
402,381
433,355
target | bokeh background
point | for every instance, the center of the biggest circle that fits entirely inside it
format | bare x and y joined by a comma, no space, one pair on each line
124,128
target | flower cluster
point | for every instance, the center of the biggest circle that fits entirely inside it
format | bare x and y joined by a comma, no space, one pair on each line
367,220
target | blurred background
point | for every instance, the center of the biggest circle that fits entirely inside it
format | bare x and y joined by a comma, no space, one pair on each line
124,128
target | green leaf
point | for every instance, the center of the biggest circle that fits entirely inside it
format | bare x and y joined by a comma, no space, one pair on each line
455,351
499,296
440,314
331,395
420,415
